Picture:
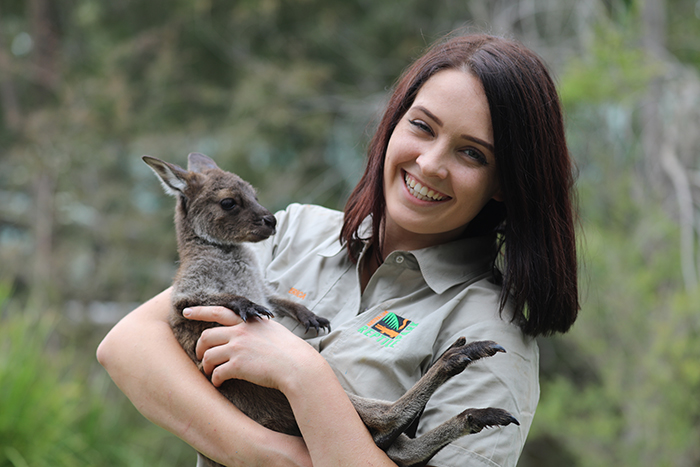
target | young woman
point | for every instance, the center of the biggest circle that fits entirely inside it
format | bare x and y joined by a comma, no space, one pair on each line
462,225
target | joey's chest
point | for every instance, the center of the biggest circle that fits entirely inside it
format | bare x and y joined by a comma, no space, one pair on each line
220,272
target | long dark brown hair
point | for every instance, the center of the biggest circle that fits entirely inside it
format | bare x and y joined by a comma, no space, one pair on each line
536,220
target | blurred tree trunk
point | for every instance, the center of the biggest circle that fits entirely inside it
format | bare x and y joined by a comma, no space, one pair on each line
661,136
8,95
46,40
652,126
46,74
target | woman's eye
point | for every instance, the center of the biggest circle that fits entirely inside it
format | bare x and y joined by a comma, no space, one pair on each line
422,126
475,155
227,204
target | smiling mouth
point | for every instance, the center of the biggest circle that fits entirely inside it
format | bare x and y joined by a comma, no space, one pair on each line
423,193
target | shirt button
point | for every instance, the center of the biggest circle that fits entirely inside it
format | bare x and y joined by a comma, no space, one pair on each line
399,259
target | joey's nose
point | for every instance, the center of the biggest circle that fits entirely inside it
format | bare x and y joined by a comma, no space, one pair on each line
269,221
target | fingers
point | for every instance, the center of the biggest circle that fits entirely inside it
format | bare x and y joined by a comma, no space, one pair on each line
222,373
212,314
212,338
218,349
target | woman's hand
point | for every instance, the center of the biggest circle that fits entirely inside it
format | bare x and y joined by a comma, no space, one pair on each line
260,351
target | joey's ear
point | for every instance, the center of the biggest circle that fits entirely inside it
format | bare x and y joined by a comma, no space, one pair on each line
174,178
197,162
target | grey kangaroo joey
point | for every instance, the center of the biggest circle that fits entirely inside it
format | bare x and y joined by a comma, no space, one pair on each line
216,215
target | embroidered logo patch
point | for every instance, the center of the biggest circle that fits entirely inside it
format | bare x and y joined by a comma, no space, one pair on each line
388,328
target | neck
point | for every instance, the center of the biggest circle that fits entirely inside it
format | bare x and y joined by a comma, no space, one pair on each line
193,244
396,238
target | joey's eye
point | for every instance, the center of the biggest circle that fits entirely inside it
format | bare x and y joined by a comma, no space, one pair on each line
227,204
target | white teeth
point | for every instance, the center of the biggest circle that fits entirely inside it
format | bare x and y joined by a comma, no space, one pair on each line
421,192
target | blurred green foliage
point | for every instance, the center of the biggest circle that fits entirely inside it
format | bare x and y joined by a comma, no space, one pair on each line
55,413
286,94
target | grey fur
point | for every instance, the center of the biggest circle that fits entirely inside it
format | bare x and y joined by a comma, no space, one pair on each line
217,214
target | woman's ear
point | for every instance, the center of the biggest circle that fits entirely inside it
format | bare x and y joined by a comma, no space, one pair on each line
498,196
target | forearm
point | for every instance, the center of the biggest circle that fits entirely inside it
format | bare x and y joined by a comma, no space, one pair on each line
332,429
143,358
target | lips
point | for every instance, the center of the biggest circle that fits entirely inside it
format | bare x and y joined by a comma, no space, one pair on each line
422,192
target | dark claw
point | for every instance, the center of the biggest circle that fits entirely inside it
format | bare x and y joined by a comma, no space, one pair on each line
483,349
478,419
460,355
262,311
317,323
250,310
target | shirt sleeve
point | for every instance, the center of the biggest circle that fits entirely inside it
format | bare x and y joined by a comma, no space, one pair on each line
506,380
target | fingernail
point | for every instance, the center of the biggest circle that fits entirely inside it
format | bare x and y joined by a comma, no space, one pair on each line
187,312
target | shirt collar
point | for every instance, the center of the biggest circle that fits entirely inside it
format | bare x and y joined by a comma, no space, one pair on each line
442,266
449,264
334,247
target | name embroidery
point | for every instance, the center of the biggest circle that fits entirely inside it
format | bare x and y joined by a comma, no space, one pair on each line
388,328
297,293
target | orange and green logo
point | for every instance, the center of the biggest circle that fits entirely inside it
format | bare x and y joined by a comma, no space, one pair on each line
388,328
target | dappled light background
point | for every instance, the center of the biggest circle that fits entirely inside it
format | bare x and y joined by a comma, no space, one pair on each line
286,94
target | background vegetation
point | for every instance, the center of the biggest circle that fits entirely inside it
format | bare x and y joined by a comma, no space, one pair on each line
285,93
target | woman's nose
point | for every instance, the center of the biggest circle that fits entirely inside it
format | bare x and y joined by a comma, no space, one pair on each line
433,162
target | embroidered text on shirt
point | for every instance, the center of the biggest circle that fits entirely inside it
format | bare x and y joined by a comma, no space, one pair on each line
297,293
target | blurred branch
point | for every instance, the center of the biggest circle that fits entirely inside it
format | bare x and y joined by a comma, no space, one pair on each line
677,173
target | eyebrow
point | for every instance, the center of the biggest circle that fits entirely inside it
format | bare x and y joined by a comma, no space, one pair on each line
474,139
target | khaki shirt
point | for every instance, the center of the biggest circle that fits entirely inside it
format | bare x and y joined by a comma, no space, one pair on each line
414,307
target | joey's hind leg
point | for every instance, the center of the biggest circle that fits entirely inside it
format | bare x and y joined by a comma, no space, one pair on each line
386,421
302,314
415,452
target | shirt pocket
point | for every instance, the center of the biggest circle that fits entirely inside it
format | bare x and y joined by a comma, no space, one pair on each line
309,283
380,354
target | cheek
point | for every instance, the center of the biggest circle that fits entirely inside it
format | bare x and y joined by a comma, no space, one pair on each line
391,163
477,187
400,150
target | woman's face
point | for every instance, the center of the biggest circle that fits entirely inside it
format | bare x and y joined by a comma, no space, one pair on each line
440,169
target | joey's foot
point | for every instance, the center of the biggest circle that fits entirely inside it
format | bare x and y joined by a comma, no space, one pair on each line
460,354
247,309
475,420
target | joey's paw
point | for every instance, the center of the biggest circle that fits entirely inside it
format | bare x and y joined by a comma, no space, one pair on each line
476,420
316,322
460,354
247,309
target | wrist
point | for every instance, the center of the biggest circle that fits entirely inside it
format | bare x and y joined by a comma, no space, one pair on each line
308,368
